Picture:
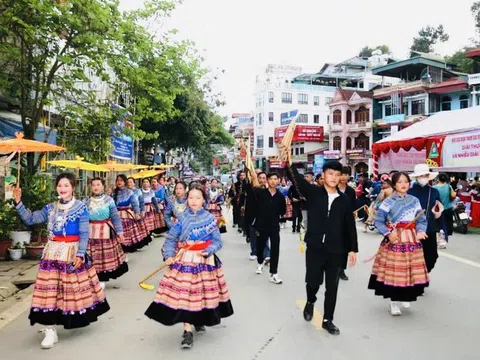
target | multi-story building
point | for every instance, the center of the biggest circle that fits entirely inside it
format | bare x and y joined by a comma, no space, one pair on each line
282,90
427,85
351,128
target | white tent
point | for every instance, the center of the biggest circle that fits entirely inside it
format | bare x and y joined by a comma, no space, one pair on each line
444,122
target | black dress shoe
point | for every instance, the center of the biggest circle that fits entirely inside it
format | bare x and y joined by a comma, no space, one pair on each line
343,276
330,327
308,311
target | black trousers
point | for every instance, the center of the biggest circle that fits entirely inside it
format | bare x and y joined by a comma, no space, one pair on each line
430,250
262,238
236,212
297,216
332,276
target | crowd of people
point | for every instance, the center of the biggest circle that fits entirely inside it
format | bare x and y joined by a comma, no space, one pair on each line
89,239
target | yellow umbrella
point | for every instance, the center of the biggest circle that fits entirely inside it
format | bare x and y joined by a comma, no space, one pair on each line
114,166
147,174
78,164
163,166
20,145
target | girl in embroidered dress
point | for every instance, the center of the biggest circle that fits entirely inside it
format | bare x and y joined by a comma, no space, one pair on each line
177,206
141,202
106,234
193,290
151,205
399,271
67,290
215,200
159,188
129,210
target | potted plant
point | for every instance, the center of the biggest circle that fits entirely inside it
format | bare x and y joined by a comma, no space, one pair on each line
40,233
34,250
16,251
6,221
20,233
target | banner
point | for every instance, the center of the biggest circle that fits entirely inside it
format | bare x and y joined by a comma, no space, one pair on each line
461,150
302,133
122,144
434,151
319,161
287,117
401,160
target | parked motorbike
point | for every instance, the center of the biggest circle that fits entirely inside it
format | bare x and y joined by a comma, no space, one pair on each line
460,216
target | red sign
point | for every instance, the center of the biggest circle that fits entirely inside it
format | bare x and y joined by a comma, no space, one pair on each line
277,164
434,151
302,133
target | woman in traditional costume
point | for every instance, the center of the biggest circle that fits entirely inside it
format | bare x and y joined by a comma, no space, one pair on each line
399,271
67,290
106,234
177,205
129,210
193,291
151,205
215,202
158,186
141,202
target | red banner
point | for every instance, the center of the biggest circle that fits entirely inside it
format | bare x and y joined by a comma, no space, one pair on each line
434,149
302,133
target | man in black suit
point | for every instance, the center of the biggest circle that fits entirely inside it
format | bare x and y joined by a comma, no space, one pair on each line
331,237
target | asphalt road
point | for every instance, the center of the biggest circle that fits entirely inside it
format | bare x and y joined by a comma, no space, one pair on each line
268,321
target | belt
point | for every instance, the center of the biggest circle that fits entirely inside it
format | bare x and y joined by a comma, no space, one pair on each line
402,225
66,238
99,221
124,207
199,246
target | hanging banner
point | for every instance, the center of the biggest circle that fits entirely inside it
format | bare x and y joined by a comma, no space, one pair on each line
122,144
401,160
434,149
287,117
302,133
461,150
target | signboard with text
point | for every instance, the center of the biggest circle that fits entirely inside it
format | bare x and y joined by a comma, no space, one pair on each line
401,160
331,154
302,133
461,150
287,117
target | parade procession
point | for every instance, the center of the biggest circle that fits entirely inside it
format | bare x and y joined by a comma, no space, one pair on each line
174,185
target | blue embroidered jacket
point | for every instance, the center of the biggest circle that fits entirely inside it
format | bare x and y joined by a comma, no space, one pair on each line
103,208
126,198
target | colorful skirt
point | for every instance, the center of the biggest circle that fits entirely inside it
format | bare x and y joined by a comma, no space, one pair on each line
106,252
160,224
63,296
289,212
134,232
149,217
194,291
399,271
216,210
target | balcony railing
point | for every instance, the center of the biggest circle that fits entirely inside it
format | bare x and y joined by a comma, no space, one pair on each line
474,79
360,125
336,127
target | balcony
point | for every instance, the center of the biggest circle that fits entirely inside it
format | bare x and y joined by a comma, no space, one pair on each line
336,127
474,79
364,125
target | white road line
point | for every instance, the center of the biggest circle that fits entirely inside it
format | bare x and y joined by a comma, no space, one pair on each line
459,259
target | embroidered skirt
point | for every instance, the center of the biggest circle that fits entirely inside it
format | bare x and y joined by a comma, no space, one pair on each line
193,290
63,296
106,252
399,271
134,232
149,217
160,224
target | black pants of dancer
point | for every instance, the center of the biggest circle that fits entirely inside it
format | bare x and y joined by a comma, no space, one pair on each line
297,216
236,212
332,277
262,239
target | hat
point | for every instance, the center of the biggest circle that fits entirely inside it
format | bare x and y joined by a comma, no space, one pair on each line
422,169
385,177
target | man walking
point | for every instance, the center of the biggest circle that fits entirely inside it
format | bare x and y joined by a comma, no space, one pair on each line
331,237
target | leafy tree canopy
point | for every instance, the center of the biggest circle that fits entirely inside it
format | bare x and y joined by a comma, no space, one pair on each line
428,37
367,50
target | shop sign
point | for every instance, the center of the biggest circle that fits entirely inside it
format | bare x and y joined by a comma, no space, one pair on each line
356,152
331,154
302,133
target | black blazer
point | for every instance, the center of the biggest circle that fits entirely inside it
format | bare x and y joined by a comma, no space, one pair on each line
268,209
335,232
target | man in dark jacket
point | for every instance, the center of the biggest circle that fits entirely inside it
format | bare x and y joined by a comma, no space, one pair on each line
271,207
331,238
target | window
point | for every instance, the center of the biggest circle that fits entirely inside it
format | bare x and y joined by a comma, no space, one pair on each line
297,151
446,103
337,117
270,116
286,98
418,107
349,143
362,141
463,101
302,151
316,119
302,99
328,119
270,142
362,115
349,116
260,119
271,97
337,143
388,109
303,118
316,100
328,100
260,142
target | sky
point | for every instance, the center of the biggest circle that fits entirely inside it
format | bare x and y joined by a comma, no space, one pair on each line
243,36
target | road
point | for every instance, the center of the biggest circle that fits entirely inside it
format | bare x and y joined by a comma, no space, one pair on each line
268,322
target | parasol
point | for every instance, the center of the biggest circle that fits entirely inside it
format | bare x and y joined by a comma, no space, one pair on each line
20,145
147,174
163,166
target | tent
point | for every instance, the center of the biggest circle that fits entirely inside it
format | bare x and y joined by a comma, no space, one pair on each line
451,140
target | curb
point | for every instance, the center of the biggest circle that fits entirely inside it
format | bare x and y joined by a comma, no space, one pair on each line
16,305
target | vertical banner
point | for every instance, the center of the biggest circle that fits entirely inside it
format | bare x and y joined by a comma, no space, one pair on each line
319,161
434,149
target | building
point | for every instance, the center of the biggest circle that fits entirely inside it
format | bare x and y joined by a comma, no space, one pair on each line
351,128
283,89
427,85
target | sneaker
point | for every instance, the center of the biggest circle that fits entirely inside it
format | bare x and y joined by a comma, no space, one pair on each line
187,341
275,279
253,257
442,244
406,305
103,285
395,309
126,258
200,329
259,269
267,260
50,338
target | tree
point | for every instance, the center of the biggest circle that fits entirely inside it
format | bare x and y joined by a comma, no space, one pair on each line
367,51
428,37
459,61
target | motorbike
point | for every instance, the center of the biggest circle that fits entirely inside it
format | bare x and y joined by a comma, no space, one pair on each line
460,216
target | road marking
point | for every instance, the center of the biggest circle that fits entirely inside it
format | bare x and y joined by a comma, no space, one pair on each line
317,316
459,259
15,311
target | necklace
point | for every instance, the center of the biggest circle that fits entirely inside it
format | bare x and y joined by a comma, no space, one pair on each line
60,219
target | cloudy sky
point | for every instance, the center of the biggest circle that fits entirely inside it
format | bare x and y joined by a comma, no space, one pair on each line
243,36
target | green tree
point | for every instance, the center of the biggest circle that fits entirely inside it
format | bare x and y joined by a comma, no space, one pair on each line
367,50
459,61
428,37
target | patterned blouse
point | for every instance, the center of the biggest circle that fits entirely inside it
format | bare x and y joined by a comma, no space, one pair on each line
69,219
174,208
199,226
103,208
126,198
215,196
399,209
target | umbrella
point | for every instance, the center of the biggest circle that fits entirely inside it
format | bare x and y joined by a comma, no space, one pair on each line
78,164
163,166
20,145
147,174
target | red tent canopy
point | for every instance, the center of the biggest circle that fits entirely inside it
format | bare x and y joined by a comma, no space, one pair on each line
416,143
